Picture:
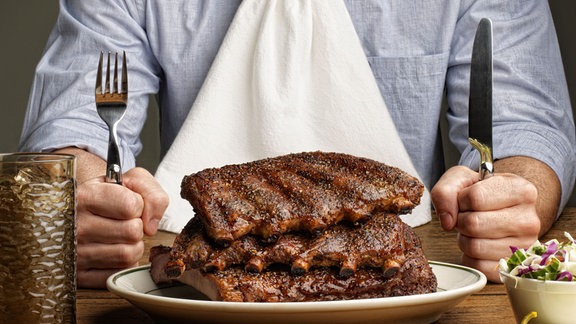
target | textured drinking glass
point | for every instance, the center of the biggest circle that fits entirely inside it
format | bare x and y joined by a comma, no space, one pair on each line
37,238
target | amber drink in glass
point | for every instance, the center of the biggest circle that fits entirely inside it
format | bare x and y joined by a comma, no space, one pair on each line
37,238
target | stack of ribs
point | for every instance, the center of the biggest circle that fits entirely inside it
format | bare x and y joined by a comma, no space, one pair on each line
300,227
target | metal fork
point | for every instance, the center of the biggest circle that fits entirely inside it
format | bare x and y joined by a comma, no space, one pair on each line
111,106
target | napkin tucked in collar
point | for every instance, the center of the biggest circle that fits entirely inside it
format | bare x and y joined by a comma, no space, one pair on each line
290,76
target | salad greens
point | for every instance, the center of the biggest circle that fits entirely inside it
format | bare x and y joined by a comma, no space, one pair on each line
552,260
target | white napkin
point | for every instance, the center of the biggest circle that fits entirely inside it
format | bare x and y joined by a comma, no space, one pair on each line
290,76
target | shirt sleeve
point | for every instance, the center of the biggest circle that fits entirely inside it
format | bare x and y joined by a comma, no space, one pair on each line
532,115
61,109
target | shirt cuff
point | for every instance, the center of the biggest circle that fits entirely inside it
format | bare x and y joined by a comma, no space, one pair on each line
544,144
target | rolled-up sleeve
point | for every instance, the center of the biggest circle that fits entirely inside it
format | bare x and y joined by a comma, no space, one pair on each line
61,109
532,115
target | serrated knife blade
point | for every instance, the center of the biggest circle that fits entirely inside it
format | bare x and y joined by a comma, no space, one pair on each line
480,101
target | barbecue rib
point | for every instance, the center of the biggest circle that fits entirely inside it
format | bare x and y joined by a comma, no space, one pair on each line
377,243
300,227
296,192
276,284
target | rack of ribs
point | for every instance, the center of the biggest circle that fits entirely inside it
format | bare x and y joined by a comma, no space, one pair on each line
296,192
276,283
298,227
379,242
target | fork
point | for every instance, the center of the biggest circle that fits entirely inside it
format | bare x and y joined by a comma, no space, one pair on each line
111,106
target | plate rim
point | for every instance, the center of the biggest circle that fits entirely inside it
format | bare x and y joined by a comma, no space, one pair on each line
368,303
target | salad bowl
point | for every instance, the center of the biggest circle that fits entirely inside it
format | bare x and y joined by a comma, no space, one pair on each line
551,301
540,282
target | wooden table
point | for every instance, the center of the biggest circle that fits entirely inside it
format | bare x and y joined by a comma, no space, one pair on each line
490,305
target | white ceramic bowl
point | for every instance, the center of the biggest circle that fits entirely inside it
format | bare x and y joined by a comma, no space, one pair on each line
554,301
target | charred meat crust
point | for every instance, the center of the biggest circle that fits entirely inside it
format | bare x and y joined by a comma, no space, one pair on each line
299,227
276,284
377,243
296,192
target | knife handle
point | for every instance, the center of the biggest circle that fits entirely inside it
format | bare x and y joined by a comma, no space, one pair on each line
486,163
486,170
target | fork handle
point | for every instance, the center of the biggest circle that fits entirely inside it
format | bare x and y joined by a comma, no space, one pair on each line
113,167
113,173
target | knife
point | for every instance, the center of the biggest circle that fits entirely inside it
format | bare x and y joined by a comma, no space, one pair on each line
480,101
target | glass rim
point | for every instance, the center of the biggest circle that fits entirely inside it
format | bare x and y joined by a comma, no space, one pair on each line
36,157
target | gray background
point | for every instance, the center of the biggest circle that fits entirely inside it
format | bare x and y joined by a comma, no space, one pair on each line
24,28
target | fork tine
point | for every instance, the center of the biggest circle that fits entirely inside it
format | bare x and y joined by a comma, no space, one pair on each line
99,75
124,75
107,87
115,85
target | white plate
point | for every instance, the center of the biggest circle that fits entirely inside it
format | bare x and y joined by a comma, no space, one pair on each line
179,302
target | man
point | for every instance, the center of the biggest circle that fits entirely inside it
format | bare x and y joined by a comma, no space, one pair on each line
416,51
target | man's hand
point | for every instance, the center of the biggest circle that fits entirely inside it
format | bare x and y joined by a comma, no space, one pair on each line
498,212
112,219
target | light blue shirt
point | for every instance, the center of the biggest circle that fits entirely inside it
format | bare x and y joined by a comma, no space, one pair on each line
419,51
